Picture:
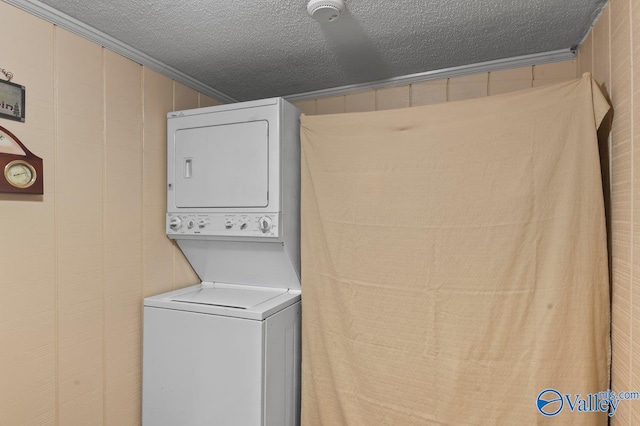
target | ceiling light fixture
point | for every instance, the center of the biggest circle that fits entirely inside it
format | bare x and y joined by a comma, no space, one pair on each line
325,10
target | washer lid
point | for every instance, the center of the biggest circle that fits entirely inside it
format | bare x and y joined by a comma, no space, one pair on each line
230,296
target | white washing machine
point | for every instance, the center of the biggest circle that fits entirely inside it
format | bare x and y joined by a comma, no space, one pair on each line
227,351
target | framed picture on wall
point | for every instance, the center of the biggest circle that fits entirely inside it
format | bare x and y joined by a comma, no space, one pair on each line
11,101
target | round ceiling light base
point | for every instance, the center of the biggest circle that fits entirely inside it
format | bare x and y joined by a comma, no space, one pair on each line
325,10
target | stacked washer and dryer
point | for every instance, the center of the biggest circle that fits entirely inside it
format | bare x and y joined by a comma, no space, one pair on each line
227,351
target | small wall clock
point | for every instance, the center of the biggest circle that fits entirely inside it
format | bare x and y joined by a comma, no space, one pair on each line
21,169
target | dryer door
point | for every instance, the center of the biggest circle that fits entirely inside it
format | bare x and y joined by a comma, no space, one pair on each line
222,166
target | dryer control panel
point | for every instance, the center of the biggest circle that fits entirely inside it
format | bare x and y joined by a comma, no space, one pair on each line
224,225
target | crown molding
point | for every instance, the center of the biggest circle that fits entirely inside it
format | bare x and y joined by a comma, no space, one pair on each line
73,25
480,67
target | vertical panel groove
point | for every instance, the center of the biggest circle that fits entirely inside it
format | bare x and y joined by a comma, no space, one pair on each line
173,249
55,230
631,204
610,150
142,212
173,244
488,83
411,95
104,230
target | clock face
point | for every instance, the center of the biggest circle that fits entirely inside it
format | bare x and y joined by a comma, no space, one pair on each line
20,174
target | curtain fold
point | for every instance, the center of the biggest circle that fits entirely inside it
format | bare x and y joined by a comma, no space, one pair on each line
454,261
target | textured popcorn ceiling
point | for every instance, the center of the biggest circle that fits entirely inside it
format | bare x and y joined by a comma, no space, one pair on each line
251,49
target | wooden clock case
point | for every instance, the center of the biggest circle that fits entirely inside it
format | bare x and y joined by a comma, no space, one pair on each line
36,162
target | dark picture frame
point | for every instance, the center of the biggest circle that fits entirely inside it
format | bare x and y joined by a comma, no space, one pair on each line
12,99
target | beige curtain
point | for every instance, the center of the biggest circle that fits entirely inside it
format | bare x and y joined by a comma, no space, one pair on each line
454,261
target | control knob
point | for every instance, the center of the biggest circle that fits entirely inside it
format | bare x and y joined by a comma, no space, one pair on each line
175,223
264,224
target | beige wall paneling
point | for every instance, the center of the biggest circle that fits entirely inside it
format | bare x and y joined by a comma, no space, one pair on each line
331,105
510,80
620,340
442,90
206,101
468,87
621,199
74,261
601,50
360,102
79,213
585,55
157,248
183,275
27,252
123,240
184,97
635,306
593,57
393,98
429,92
307,107
555,72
